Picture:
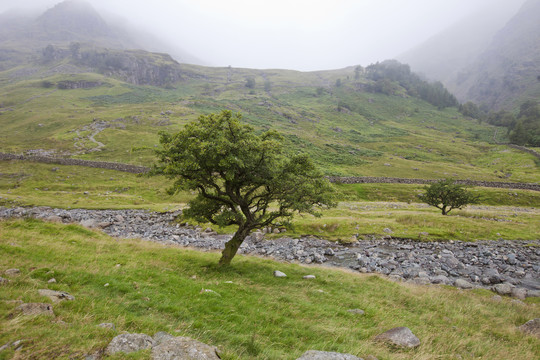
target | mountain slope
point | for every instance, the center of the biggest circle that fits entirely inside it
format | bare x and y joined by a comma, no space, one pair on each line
443,55
23,36
506,73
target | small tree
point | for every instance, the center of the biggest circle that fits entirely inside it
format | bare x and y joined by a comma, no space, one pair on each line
242,178
447,195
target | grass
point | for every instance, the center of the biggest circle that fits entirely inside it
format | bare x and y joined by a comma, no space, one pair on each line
364,209
255,316
373,134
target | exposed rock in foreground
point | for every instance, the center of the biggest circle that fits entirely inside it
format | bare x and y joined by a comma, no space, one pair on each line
531,327
508,267
400,336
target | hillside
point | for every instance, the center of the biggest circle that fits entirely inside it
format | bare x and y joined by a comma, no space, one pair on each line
486,60
24,36
104,104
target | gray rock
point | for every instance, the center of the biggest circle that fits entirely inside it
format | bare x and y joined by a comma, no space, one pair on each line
463,284
89,223
3,281
107,326
184,348
400,336
280,274
439,279
388,230
308,277
56,296
533,293
161,336
531,327
12,272
519,293
52,281
35,309
54,218
128,343
356,311
503,289
325,355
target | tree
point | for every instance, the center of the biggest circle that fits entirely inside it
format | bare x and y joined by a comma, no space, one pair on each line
242,178
447,195
250,83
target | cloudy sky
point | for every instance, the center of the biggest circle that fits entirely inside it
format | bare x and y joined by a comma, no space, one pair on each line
292,34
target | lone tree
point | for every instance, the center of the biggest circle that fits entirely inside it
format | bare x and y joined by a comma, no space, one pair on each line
447,195
242,178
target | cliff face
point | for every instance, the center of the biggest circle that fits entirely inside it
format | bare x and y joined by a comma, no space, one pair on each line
135,66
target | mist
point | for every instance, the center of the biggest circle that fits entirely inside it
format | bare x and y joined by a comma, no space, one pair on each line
301,34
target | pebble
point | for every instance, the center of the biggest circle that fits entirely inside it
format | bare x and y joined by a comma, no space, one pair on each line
485,264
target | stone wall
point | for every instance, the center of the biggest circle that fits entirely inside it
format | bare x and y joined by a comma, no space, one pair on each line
335,179
78,162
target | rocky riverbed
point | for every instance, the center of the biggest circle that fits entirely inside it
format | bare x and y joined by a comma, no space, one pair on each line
507,267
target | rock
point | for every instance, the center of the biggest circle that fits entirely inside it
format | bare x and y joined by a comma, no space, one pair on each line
533,293
463,284
3,281
329,252
184,348
54,218
257,236
502,289
128,343
308,277
356,311
519,293
119,218
496,298
325,355
12,272
161,336
439,279
400,336
52,281
55,296
531,327
89,223
388,231
107,326
279,274
35,309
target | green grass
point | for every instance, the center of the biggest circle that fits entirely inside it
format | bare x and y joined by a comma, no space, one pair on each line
364,209
255,316
374,134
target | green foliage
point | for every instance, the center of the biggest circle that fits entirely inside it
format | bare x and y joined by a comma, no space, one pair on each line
447,195
250,83
242,178
472,110
390,73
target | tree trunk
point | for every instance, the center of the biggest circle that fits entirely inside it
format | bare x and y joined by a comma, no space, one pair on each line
231,246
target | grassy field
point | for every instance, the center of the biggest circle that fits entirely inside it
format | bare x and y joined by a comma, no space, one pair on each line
364,209
346,130
250,315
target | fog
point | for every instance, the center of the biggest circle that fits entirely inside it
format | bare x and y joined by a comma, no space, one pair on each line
288,34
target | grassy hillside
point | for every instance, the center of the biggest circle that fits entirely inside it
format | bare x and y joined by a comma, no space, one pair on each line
346,129
250,314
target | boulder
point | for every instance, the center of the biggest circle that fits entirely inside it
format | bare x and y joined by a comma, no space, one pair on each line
183,348
280,274
519,293
400,336
463,284
35,309
128,343
161,336
503,289
55,296
531,327
12,272
325,355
